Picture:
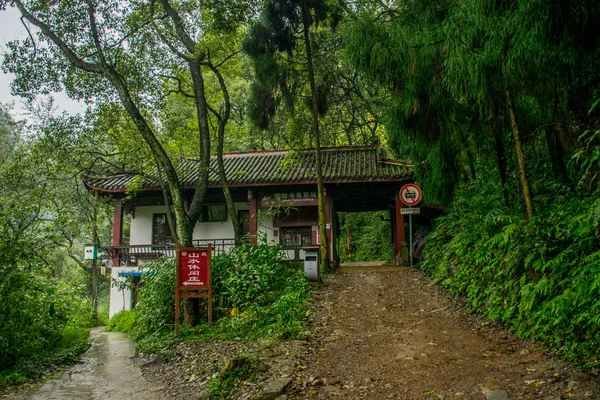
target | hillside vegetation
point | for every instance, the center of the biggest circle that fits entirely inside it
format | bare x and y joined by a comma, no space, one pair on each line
539,276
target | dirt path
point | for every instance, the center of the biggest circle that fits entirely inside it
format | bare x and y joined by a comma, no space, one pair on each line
390,334
106,371
395,335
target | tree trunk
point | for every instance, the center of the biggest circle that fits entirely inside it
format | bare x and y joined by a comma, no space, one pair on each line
323,247
500,159
94,288
556,154
223,118
514,126
471,164
191,306
537,146
235,221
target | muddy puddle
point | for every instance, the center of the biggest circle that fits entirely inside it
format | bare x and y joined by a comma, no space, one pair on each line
106,371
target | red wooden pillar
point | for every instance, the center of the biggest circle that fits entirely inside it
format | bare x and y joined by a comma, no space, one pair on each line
253,229
393,227
399,238
117,235
328,226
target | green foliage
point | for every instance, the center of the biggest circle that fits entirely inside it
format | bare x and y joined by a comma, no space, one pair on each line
103,310
45,306
586,159
123,321
261,293
37,328
370,236
154,315
403,52
256,294
32,315
538,276
41,325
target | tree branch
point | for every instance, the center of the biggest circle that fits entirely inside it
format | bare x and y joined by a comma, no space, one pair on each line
94,30
179,27
30,37
65,49
179,84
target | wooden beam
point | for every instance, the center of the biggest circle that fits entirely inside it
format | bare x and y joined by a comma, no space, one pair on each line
398,222
117,235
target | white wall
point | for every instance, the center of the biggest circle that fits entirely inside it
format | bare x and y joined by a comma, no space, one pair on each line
119,299
141,225
266,226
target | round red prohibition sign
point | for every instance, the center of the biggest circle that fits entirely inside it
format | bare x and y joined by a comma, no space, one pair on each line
410,194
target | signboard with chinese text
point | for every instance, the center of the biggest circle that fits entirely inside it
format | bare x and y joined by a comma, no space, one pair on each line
304,198
193,268
193,277
411,210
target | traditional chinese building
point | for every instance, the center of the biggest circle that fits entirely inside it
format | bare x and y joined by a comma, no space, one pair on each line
275,193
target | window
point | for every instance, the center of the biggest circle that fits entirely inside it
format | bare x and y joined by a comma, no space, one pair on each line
244,218
214,213
296,236
161,233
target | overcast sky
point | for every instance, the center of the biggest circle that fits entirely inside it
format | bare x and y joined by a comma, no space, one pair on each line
11,29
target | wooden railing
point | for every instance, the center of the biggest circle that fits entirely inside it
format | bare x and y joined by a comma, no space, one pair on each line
132,255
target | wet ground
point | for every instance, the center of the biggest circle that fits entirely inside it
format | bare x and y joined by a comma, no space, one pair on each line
106,371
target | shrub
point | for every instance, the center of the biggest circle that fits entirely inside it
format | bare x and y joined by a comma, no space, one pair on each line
123,321
37,328
156,306
255,294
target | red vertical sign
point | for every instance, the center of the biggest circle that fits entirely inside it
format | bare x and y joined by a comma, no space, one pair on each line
193,268
193,277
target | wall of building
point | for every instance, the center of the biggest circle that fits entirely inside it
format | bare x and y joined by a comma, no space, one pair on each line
120,299
141,225
217,230
141,228
265,225
141,234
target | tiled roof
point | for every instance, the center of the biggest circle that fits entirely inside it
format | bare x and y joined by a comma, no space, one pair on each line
279,167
